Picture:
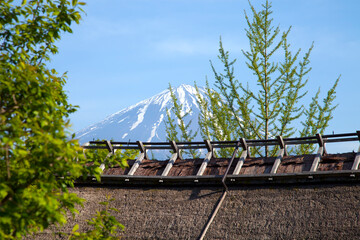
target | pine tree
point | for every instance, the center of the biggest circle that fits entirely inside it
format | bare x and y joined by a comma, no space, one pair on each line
215,119
177,126
272,108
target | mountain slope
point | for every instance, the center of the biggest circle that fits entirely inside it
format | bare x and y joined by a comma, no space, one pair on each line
143,121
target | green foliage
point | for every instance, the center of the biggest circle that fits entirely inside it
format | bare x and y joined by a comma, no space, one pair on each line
233,109
37,160
177,125
118,158
215,119
105,226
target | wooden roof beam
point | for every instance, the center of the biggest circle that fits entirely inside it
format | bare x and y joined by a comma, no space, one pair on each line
282,144
281,153
321,143
278,160
243,156
321,151
109,146
355,165
139,159
173,158
207,158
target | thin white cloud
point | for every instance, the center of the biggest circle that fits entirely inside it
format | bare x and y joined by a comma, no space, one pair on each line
184,46
194,46
96,28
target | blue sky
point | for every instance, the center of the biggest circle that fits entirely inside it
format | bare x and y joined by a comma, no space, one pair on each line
126,51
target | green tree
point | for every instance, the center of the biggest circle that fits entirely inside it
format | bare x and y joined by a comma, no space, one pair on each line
37,160
104,225
177,125
215,119
273,107
102,158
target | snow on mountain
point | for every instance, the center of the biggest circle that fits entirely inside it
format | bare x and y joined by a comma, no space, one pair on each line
143,121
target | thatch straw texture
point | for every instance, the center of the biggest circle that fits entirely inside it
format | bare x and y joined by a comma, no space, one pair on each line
330,211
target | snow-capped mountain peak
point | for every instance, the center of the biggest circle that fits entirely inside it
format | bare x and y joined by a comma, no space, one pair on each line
143,121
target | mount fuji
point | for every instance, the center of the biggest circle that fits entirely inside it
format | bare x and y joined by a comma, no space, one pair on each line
144,121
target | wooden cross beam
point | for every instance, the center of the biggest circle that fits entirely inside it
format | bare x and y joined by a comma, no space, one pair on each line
278,160
111,150
139,159
208,145
321,151
173,158
175,148
321,142
109,146
142,148
240,162
355,165
281,153
243,156
207,158
282,144
245,146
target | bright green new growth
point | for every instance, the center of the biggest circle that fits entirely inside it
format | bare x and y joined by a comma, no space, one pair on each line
37,160
105,226
102,156
178,123
273,108
215,119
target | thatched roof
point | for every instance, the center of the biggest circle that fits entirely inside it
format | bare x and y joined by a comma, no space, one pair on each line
217,166
317,211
